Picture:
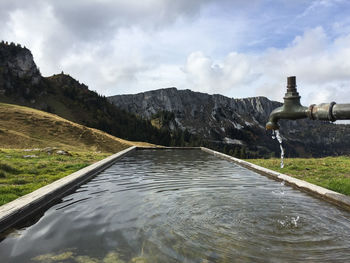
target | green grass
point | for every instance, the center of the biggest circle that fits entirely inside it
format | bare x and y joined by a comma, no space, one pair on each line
331,172
20,176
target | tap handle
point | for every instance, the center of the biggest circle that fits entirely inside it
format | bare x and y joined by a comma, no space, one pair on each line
291,89
291,84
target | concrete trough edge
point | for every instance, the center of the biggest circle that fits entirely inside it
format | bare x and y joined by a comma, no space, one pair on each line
27,205
338,199
166,148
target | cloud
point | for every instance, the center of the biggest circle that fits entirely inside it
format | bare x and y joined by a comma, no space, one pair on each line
33,28
88,19
319,4
322,67
235,48
204,74
318,62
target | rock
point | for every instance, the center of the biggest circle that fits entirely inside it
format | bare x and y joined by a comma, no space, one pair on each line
86,259
17,64
62,152
112,257
31,150
30,156
139,260
48,150
54,257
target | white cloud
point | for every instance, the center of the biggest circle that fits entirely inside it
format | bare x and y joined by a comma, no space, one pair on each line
207,76
318,62
227,47
28,28
322,67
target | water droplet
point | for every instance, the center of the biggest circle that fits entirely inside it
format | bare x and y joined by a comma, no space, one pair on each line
288,222
273,134
281,222
294,221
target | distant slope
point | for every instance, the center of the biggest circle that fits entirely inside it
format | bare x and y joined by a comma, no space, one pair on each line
23,127
235,126
21,83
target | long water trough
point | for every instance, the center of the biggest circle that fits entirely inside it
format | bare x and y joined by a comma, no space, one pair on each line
183,206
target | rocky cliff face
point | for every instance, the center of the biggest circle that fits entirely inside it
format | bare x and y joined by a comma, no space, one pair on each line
198,112
237,123
18,72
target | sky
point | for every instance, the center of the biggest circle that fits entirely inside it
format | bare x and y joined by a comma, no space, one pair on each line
237,48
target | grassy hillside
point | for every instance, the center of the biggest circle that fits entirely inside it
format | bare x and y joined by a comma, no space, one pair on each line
331,172
66,97
23,128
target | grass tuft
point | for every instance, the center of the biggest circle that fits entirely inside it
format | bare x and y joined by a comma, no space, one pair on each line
7,168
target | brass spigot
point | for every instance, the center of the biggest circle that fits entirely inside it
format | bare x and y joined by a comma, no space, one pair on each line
293,110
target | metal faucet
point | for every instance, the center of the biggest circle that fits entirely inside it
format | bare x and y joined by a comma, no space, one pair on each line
293,110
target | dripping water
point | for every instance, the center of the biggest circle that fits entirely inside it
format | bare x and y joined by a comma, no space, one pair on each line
276,135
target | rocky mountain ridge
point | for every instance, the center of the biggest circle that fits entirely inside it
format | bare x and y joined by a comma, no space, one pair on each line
192,108
237,123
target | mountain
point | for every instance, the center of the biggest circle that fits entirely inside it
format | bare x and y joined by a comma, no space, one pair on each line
28,128
235,126
167,116
22,83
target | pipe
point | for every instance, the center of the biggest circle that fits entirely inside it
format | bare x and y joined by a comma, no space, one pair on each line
329,112
341,111
293,110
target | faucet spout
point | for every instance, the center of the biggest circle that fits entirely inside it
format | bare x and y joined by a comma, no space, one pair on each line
286,114
291,109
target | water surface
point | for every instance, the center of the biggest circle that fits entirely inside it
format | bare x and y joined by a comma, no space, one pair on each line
183,206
